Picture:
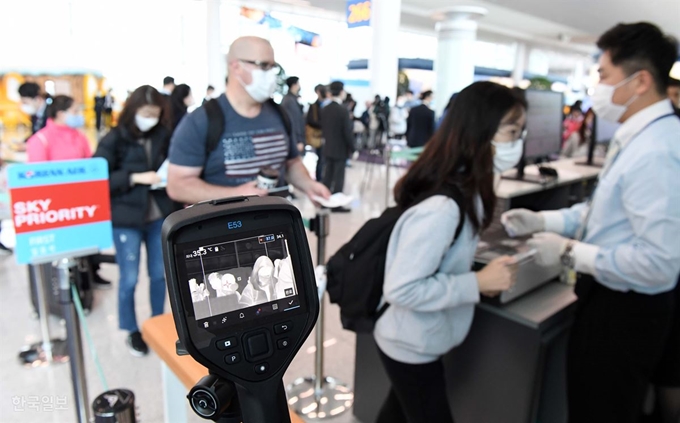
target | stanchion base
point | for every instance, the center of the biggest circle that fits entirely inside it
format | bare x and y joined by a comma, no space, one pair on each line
35,356
334,399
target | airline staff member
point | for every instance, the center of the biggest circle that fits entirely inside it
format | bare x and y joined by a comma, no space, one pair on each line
625,243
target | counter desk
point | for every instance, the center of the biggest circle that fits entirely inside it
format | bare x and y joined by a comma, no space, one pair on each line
510,368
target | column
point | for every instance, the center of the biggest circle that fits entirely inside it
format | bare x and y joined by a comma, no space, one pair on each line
520,63
383,64
455,64
217,64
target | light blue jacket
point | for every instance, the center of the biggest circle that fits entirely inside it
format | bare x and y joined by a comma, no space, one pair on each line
428,283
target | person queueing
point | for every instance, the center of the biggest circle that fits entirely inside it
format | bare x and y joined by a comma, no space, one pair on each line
134,150
624,243
431,291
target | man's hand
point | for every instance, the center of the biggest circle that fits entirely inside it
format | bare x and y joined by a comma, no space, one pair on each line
317,189
520,222
250,188
549,248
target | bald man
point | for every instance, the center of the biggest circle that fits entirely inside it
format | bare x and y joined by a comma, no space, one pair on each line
254,136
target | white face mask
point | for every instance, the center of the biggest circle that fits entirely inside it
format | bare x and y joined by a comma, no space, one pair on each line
145,124
262,86
604,106
508,154
29,109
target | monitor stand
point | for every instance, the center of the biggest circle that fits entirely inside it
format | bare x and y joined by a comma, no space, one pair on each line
541,179
596,162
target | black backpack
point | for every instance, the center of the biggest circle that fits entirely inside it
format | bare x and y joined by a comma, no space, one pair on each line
216,122
356,273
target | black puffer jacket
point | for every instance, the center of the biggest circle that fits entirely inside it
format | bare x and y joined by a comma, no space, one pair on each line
129,203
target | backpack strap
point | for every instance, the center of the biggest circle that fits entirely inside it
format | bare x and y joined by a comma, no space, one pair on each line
284,117
215,124
454,193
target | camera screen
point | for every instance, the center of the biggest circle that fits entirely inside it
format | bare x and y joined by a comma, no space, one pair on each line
241,280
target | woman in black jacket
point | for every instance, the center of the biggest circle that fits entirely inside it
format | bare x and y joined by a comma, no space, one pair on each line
180,101
135,150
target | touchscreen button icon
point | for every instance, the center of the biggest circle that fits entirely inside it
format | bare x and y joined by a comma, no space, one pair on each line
288,292
275,307
241,316
206,324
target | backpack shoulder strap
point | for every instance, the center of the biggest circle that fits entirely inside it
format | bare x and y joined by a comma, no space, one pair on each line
454,193
284,117
215,124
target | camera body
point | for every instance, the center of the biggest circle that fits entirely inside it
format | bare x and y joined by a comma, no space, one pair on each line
243,293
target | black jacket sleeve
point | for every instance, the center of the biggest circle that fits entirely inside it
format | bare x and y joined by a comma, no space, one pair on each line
119,179
349,133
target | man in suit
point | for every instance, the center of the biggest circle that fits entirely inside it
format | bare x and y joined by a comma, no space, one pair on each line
420,122
339,140
291,105
34,104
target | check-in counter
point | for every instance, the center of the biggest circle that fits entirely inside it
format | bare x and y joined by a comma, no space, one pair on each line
510,368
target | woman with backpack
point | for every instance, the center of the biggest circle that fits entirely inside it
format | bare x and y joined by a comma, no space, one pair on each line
135,150
428,284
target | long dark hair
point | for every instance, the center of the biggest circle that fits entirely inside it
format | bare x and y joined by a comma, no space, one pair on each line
60,103
143,96
584,125
460,152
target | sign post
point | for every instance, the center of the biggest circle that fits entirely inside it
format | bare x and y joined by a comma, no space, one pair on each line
61,210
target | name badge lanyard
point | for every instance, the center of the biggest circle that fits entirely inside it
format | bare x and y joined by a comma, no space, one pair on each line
612,155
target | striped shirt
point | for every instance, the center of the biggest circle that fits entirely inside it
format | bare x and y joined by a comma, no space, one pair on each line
247,145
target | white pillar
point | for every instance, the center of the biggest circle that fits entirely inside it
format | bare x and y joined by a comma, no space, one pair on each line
384,62
455,64
217,65
520,63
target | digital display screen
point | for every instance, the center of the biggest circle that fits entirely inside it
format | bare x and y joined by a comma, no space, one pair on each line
240,280
544,124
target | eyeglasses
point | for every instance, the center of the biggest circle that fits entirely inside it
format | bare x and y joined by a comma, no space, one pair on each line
265,66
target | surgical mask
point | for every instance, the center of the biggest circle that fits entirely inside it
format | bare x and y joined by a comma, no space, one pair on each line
604,106
508,154
29,109
145,124
75,121
262,86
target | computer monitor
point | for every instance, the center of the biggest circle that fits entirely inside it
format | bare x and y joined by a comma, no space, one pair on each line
603,131
544,131
544,124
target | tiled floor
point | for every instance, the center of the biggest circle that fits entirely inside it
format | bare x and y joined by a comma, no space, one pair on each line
142,375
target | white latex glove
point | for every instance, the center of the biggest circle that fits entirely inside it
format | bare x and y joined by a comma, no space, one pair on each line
549,248
520,222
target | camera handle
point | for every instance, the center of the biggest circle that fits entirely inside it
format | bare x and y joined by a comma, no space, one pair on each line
220,400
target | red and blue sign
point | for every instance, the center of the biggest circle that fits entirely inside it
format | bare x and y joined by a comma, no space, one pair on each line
60,209
358,13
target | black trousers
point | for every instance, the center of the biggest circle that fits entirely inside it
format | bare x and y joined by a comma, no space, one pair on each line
334,174
319,164
418,393
615,346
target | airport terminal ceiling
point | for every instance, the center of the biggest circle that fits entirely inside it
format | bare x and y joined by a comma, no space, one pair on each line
578,21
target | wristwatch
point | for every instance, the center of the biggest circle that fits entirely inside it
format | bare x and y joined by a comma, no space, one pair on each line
567,258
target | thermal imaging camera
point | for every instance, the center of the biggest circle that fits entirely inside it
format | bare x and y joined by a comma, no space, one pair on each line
243,296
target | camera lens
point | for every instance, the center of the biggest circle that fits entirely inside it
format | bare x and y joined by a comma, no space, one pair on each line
203,403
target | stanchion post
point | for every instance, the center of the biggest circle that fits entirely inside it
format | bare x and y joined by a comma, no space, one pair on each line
48,351
75,343
41,277
322,223
318,396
